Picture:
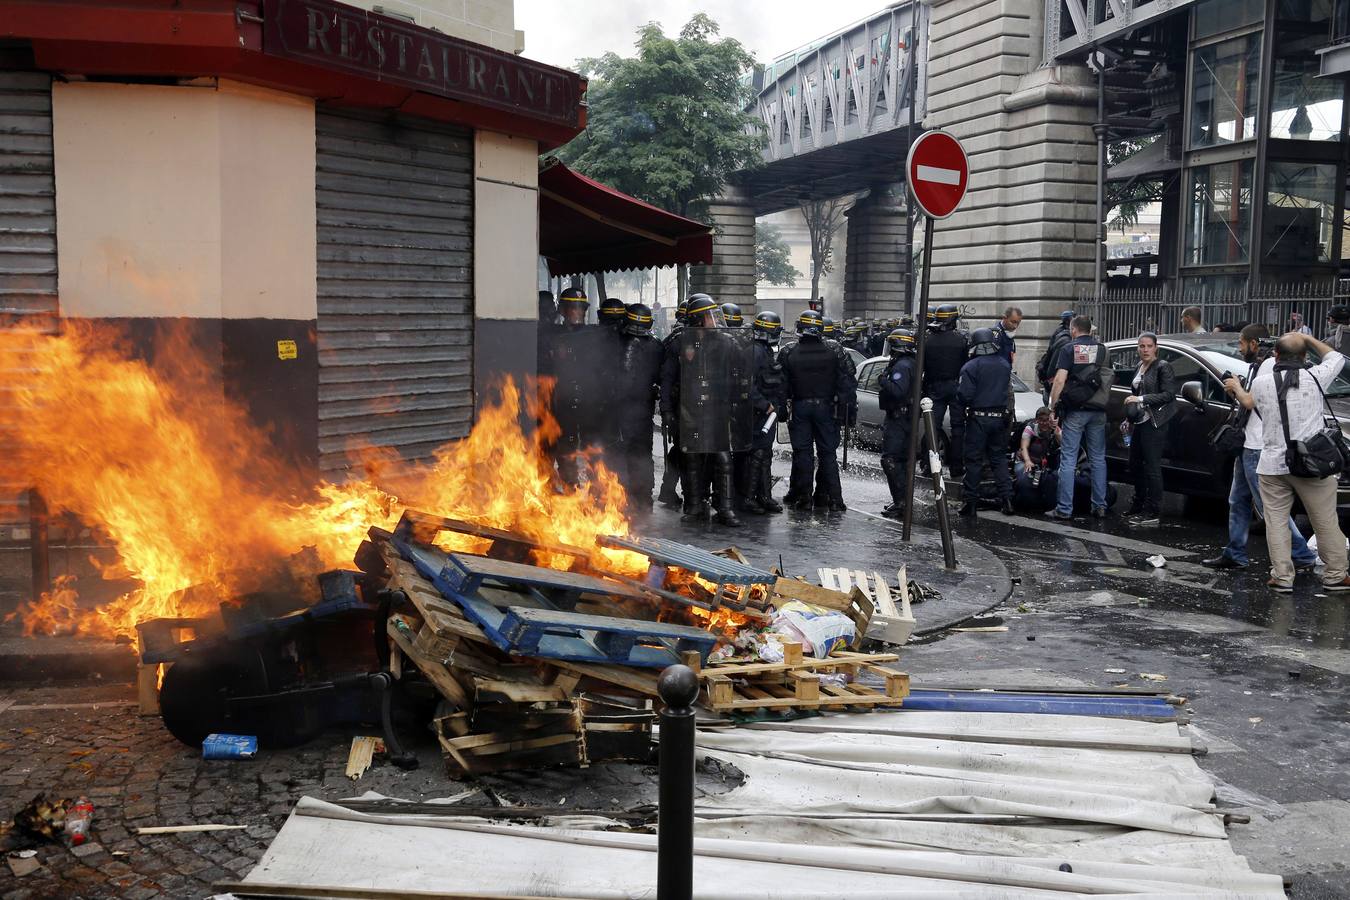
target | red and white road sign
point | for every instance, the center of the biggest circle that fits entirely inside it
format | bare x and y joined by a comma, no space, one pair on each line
938,172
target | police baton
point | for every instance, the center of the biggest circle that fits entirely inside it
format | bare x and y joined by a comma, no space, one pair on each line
939,488
848,430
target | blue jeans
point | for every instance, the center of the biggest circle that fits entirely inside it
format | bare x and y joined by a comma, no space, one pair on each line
1088,429
1243,498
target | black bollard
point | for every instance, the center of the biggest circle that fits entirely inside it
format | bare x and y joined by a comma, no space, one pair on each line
678,687
939,489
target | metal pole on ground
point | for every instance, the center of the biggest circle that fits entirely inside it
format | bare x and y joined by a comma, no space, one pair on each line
939,491
678,687
921,325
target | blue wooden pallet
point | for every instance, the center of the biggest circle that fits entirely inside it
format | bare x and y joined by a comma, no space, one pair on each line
544,630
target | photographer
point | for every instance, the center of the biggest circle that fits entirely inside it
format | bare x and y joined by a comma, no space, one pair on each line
1244,497
1290,398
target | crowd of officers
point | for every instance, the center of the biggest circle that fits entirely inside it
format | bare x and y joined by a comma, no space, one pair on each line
808,382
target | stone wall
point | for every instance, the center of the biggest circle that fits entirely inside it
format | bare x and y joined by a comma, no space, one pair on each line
876,271
731,277
1025,233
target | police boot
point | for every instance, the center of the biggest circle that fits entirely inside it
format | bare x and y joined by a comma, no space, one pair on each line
753,483
723,488
968,509
694,482
896,484
766,483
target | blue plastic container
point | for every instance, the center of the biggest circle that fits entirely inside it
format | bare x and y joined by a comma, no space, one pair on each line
229,746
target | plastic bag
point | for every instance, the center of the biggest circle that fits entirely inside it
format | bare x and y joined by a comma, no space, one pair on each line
820,630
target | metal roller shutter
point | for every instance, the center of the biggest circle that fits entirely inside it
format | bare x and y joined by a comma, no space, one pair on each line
395,280
27,233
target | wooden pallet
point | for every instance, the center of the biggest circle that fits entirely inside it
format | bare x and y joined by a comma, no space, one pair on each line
795,682
892,622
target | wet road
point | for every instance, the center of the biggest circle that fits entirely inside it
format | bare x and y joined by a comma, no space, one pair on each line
1266,677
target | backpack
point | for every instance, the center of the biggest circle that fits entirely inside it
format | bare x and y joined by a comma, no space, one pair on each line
1084,387
1045,370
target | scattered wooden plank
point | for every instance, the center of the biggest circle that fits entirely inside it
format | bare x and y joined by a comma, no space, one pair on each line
361,755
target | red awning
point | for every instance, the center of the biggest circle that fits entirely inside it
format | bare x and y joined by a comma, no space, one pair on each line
585,226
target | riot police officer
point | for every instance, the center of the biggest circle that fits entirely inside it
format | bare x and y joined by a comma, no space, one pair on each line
895,390
943,358
702,466
770,401
821,386
613,312
829,329
573,305
669,418
983,391
731,315
636,392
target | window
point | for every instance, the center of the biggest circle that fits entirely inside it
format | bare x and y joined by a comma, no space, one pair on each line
1124,363
1187,368
871,374
1217,16
1225,85
1300,213
1304,107
1218,230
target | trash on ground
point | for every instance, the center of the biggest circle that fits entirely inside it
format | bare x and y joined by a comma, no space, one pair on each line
23,862
188,829
43,818
1157,561
1114,671
362,754
78,819
983,629
229,746
1150,676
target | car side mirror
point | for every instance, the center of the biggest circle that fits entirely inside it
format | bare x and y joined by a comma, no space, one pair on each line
1193,394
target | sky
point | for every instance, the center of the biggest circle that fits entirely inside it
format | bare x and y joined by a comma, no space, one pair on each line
559,33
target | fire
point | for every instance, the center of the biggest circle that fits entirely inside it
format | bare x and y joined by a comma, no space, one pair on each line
199,508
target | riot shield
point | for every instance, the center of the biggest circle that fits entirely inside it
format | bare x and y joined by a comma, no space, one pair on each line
716,371
586,363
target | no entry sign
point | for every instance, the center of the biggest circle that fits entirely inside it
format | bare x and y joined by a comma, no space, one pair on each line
938,172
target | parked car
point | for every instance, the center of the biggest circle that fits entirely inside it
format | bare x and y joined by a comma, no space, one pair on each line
1190,465
870,416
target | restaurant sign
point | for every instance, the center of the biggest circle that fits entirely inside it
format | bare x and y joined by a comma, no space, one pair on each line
338,36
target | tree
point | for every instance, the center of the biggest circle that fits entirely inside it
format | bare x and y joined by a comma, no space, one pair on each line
669,125
823,218
773,261
1130,198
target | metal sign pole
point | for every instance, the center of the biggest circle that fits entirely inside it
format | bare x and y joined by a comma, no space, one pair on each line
916,395
939,491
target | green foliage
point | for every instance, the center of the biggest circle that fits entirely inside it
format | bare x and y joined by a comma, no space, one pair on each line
669,124
773,258
1129,199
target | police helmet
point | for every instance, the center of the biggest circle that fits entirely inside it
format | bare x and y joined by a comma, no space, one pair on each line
900,342
1066,316
1135,412
853,331
681,311
811,323
573,295
983,342
699,306
612,311
637,319
732,313
828,327
945,316
767,326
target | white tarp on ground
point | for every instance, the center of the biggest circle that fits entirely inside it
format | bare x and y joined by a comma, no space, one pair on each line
870,805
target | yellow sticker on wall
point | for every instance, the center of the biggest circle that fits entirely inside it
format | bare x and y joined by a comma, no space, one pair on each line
286,350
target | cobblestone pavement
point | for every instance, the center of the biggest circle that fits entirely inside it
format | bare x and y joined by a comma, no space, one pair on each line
137,775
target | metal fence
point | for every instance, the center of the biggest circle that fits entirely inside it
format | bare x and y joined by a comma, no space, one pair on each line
1125,312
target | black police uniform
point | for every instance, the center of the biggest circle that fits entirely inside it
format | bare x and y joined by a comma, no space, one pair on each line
670,417
983,391
768,391
640,363
944,355
821,384
895,390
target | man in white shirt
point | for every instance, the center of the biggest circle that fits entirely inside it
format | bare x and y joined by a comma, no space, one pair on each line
1304,403
1244,496
1191,321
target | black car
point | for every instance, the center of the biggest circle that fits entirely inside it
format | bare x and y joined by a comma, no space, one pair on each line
1191,466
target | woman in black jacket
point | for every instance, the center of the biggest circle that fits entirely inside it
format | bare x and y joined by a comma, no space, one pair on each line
1147,411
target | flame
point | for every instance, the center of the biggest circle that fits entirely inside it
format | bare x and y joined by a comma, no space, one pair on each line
200,507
